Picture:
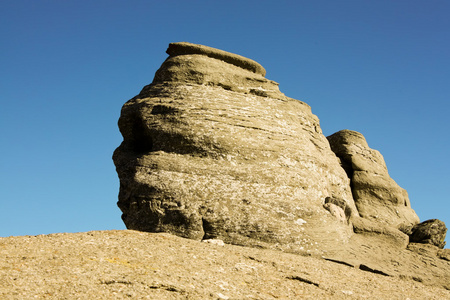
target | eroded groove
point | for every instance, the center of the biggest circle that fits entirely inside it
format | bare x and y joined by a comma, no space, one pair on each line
305,280
340,262
169,288
107,282
369,269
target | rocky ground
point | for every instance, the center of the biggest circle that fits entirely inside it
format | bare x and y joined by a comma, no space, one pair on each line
213,150
139,265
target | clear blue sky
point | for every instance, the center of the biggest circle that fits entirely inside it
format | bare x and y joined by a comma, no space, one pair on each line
378,67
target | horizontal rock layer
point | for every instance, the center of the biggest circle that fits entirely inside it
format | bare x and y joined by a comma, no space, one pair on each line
185,48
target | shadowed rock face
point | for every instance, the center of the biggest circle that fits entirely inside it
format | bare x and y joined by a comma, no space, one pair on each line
214,150
429,232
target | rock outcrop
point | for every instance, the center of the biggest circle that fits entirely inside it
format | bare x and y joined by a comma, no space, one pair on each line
377,196
212,150
205,66
429,232
215,150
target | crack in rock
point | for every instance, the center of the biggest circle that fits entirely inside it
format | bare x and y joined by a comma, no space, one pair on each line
305,280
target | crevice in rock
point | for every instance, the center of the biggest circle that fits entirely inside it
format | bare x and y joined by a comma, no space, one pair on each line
258,92
225,87
210,230
160,109
375,271
107,282
339,262
305,280
140,140
169,288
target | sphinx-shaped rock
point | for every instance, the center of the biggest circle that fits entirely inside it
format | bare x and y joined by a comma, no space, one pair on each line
213,150
377,196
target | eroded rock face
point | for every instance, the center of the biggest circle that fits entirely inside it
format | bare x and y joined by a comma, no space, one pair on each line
213,150
377,196
201,65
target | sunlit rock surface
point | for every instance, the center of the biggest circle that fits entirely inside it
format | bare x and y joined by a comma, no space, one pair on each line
212,150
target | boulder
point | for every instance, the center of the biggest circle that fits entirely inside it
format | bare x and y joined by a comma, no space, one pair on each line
377,196
429,232
213,150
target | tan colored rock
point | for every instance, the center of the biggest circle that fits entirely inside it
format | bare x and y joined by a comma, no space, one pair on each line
127,264
184,48
365,226
377,196
444,254
212,150
338,208
212,68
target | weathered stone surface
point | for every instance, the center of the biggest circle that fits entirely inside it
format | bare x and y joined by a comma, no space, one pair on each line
338,208
206,66
212,150
429,232
427,250
369,227
184,48
127,264
444,254
377,196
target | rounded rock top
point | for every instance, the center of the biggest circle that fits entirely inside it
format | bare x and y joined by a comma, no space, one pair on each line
185,48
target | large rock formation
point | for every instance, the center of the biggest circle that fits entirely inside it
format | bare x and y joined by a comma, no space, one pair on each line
212,149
